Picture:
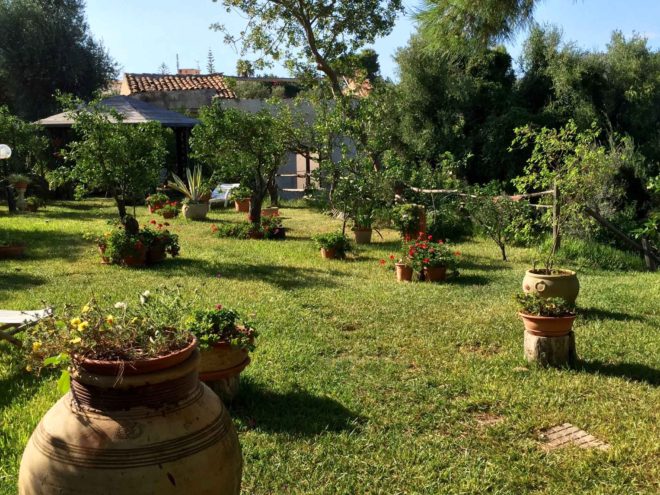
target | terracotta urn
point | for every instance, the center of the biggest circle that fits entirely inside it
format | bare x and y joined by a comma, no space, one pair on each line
21,186
271,211
404,273
104,259
329,254
138,258
554,283
161,432
546,326
156,252
195,211
435,273
362,236
168,214
220,368
242,205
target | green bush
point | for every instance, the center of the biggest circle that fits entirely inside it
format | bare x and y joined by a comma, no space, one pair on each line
333,240
449,221
592,254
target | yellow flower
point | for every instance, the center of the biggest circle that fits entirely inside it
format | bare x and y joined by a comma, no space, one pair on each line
75,322
77,340
110,319
135,320
36,346
85,308
28,368
83,326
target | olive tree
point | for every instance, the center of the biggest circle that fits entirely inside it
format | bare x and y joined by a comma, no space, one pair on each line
125,160
244,146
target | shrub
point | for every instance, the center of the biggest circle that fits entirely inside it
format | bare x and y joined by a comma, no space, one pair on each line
426,253
240,193
156,201
407,218
592,254
221,325
271,228
535,305
333,240
449,221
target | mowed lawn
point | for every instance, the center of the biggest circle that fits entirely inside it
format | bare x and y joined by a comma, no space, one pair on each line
360,385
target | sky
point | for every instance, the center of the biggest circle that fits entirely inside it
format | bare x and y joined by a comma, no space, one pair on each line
143,34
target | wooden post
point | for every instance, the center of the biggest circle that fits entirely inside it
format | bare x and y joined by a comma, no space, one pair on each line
551,351
556,211
648,259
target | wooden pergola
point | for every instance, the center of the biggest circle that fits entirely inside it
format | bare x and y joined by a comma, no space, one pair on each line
134,112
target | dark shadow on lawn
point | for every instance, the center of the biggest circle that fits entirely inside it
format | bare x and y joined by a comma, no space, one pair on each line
18,384
604,314
284,277
50,245
631,371
482,264
297,413
469,279
17,280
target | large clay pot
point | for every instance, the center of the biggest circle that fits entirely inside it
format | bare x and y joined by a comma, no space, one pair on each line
12,251
558,283
435,273
404,273
156,252
220,369
546,326
271,211
362,236
163,432
136,259
168,214
242,205
329,254
195,211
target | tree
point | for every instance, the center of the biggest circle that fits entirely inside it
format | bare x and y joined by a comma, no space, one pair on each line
124,159
28,145
45,46
244,68
163,69
243,146
310,35
210,62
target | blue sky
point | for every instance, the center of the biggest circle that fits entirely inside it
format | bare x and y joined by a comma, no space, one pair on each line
142,34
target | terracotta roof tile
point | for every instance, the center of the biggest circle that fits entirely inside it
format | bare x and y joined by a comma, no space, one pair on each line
144,83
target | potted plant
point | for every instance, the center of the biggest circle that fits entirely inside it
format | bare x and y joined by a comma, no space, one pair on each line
362,228
546,316
225,343
33,203
169,210
241,196
135,414
10,248
196,192
432,259
156,201
160,242
270,211
19,181
410,220
333,245
272,228
403,269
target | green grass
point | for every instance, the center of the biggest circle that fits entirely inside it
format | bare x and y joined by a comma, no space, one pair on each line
363,385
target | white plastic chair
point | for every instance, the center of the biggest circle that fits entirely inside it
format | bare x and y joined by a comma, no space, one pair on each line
12,322
221,194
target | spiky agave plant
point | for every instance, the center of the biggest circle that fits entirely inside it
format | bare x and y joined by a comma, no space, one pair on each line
195,190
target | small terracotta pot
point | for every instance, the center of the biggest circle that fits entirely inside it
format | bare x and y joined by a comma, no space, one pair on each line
435,273
168,214
104,259
127,368
242,205
404,273
137,259
329,254
12,251
546,326
257,235
22,186
154,208
279,234
362,236
156,252
271,211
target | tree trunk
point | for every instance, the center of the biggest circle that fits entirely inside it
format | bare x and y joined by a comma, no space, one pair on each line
121,206
503,250
255,209
556,212
273,192
11,202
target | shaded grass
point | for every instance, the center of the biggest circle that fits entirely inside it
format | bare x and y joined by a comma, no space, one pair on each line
363,385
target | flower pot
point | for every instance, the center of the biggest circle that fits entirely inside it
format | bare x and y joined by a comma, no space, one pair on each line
546,326
104,259
155,207
196,211
156,252
242,205
12,251
168,214
404,273
559,283
362,236
255,234
278,234
435,273
21,186
329,254
271,211
160,432
135,259
220,367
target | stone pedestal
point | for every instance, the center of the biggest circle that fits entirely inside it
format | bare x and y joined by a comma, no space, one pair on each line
551,351
20,199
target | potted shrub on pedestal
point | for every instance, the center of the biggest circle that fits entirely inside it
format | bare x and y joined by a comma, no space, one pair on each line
362,228
196,192
19,181
136,418
333,245
156,201
225,344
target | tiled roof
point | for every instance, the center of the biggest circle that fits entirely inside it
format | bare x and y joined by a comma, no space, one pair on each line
143,83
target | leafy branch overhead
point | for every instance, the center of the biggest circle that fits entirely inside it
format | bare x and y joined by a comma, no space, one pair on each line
309,36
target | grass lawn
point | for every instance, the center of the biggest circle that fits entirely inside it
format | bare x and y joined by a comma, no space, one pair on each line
362,385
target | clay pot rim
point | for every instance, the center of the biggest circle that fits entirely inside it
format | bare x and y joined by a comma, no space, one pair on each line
362,229
545,318
139,367
560,273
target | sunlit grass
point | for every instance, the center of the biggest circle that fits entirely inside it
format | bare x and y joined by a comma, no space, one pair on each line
363,385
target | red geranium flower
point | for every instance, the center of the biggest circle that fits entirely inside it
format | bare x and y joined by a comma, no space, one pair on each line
391,256
218,307
382,262
153,222
457,253
430,237
426,260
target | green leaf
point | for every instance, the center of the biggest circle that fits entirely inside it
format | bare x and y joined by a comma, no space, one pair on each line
64,383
